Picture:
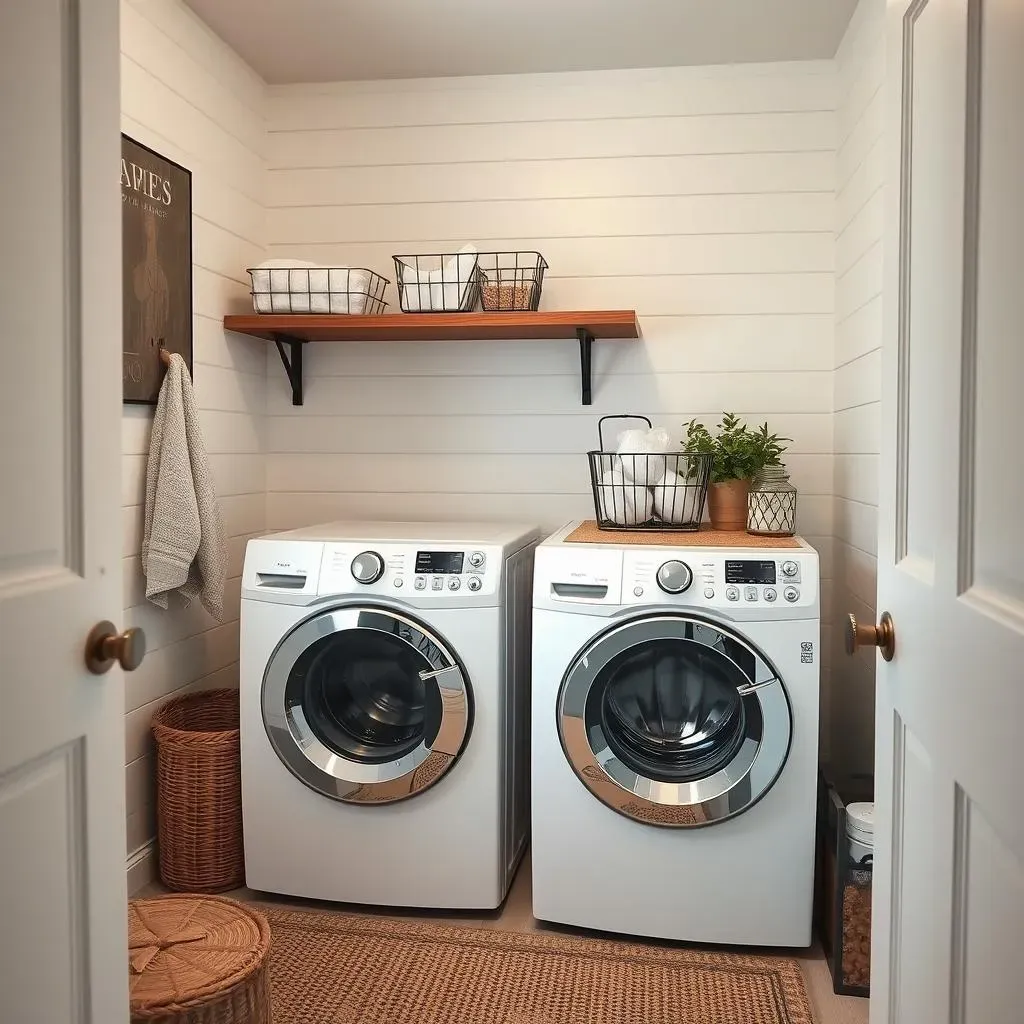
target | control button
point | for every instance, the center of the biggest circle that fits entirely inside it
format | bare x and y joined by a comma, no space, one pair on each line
709,593
474,583
791,594
674,577
437,583
750,593
790,568
454,583
732,593
477,559
770,594
638,591
399,582
421,582
367,567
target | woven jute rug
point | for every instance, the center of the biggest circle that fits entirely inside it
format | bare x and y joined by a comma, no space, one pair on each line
329,968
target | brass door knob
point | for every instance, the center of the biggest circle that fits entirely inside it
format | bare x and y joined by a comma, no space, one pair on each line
882,636
105,645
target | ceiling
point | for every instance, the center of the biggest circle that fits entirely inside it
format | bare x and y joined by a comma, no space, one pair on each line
332,40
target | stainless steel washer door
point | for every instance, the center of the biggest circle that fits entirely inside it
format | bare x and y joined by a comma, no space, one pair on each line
366,705
673,720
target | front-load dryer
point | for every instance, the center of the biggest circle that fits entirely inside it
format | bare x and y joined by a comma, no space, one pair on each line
675,739
384,678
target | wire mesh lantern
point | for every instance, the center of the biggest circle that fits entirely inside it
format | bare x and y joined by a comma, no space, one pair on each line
771,504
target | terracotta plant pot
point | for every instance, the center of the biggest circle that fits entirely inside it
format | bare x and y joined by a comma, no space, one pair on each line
727,504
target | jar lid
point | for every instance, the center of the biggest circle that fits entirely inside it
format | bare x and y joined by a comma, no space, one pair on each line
860,819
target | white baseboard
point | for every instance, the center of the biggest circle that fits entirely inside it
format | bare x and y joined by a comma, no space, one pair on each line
142,867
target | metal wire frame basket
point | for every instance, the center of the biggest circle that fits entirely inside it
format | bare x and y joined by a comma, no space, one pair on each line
438,282
648,491
511,281
333,290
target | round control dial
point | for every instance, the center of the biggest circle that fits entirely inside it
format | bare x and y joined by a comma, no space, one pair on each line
367,567
674,577
477,558
789,568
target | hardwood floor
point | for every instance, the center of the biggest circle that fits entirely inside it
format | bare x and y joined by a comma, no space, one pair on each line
515,915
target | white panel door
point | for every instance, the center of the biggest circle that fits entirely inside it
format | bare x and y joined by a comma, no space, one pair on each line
62,857
948,915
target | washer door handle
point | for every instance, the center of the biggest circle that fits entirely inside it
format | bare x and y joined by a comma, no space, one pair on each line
438,672
753,687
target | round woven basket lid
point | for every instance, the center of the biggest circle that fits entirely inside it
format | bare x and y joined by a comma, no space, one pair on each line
183,950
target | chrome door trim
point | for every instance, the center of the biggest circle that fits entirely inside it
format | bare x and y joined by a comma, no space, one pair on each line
731,790
323,769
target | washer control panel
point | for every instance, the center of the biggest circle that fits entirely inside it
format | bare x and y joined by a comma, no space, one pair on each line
742,581
434,572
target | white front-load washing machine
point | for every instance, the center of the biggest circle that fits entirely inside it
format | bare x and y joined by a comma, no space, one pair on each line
675,739
384,678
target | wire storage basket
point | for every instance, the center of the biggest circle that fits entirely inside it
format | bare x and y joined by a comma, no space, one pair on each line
199,792
648,491
439,282
308,289
511,281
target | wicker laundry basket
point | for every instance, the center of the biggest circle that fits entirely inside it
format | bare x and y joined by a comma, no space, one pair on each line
198,960
199,792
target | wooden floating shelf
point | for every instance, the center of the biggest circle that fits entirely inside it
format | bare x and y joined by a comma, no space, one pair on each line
291,331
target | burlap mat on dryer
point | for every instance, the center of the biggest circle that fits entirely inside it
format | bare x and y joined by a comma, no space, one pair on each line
588,533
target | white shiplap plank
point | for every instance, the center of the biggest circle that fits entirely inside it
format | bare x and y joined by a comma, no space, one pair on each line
554,179
604,256
433,434
545,218
663,92
548,140
789,392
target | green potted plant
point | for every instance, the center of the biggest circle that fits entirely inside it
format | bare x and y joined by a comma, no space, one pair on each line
739,455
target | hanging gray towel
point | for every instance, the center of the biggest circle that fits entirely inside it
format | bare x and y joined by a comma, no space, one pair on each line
183,540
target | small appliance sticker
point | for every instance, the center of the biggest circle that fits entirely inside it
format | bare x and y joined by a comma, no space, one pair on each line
807,653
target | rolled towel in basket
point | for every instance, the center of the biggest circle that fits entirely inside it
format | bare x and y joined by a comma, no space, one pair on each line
623,502
642,455
447,288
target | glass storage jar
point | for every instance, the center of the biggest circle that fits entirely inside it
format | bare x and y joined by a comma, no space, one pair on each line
771,504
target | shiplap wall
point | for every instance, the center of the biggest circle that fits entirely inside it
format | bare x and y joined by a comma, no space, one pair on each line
703,197
188,96
860,176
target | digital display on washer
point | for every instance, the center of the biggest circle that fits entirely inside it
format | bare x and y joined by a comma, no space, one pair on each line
447,562
750,572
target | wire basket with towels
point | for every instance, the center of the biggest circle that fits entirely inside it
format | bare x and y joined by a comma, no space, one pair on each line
641,486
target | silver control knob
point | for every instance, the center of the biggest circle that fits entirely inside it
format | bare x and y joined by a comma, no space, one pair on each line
790,568
732,593
476,559
454,583
791,594
367,567
674,577
474,583
770,594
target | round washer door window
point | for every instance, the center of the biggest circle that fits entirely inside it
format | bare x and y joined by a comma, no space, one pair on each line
674,721
366,705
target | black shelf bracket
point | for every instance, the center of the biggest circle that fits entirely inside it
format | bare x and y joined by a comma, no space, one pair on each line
586,364
292,362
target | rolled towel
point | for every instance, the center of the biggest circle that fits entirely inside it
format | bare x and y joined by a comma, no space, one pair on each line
642,454
623,502
671,497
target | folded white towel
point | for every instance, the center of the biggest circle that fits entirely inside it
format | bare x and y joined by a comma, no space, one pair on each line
296,286
623,502
183,539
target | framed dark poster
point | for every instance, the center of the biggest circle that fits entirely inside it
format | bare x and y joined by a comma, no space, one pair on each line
156,229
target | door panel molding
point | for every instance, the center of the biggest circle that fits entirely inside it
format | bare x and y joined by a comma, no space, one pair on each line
71,129
961,880
969,335
903,333
899,741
